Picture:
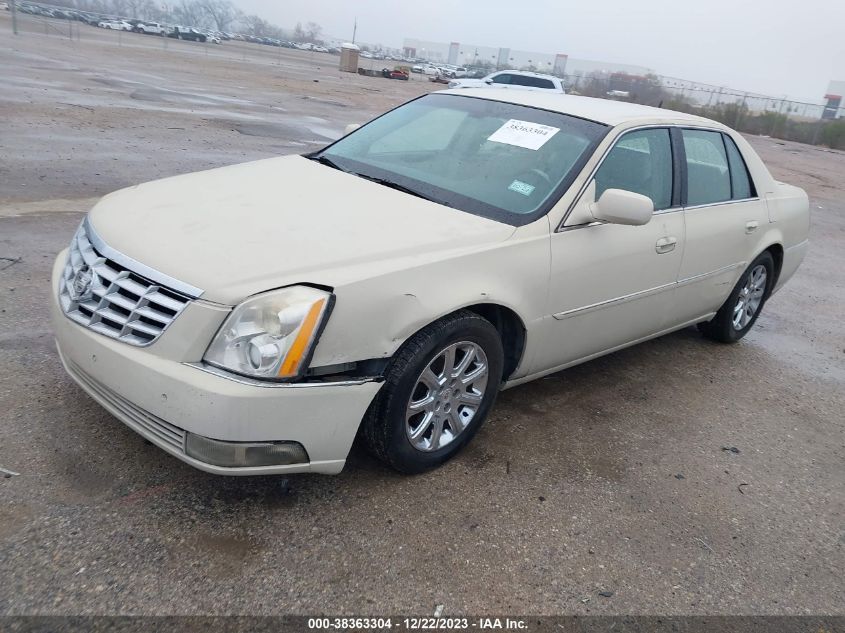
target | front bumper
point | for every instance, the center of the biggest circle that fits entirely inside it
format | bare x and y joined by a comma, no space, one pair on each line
158,393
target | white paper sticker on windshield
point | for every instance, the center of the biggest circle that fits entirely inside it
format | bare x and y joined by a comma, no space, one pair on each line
523,134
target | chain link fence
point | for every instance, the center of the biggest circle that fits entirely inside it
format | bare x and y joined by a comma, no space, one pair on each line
753,113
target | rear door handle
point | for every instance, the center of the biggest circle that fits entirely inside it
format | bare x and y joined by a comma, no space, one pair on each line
665,244
750,227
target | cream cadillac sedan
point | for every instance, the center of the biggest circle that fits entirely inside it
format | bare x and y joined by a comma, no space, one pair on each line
257,318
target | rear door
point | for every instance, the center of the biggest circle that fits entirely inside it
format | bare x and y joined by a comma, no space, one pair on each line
723,214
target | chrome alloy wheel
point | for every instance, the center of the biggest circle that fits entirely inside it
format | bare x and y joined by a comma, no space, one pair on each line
446,396
750,297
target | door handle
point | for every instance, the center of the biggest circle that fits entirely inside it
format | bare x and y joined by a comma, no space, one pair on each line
665,244
750,227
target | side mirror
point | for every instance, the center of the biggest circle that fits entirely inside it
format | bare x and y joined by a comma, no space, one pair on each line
618,206
488,81
351,128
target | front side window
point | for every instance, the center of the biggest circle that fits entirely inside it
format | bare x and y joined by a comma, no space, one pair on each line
504,78
500,160
708,175
640,162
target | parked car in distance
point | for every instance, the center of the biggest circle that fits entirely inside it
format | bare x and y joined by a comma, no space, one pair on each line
463,243
187,33
115,25
514,80
427,69
90,19
453,72
151,28
396,73
477,73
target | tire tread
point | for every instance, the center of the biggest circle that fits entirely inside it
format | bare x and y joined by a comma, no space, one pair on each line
374,430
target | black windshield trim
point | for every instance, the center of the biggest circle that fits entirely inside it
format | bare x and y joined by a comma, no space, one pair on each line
465,203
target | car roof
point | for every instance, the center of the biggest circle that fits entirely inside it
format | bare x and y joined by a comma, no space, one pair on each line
604,111
527,73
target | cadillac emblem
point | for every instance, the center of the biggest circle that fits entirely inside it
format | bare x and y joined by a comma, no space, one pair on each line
80,284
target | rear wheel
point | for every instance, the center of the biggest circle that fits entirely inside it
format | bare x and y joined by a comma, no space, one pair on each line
739,313
439,388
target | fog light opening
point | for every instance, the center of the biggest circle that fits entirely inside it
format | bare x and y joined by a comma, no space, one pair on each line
244,454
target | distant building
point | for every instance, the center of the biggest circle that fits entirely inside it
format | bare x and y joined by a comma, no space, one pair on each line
834,108
499,57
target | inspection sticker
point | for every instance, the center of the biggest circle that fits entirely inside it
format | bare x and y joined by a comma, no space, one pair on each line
523,134
521,187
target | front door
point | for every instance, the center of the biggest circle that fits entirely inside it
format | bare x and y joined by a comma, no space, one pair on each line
611,284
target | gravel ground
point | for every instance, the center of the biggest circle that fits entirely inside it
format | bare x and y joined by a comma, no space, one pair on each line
610,477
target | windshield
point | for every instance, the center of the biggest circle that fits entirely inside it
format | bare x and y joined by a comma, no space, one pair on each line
503,161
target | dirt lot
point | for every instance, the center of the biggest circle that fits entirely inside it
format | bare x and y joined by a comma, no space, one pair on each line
609,477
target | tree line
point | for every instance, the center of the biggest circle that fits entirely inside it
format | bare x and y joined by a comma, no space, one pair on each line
220,15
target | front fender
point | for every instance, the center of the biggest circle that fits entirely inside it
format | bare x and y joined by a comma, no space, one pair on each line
373,317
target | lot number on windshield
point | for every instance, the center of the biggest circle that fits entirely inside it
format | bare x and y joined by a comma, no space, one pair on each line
523,134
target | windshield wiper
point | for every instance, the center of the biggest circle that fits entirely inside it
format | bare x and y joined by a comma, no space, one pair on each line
398,187
325,160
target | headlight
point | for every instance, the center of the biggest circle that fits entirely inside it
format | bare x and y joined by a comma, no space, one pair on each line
271,335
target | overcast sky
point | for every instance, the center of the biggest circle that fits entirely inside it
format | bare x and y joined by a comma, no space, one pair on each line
775,47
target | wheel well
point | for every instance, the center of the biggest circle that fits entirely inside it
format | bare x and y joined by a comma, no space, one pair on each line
511,329
777,254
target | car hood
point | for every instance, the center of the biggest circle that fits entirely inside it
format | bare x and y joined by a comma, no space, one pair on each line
244,229
470,83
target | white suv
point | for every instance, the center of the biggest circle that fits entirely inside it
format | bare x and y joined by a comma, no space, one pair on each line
514,79
151,28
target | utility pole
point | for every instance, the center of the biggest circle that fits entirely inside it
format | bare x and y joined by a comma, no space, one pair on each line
777,118
14,16
355,30
739,110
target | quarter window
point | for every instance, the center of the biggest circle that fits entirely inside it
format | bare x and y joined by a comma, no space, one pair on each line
741,185
640,162
708,175
533,82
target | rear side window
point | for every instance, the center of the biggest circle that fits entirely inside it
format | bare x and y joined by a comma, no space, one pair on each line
708,175
534,82
741,185
640,162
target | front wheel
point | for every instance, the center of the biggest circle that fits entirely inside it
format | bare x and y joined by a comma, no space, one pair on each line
743,306
439,388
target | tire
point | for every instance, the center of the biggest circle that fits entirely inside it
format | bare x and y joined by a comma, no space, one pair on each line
387,428
729,326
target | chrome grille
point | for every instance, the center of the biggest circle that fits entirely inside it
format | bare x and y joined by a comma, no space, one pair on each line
116,302
149,425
